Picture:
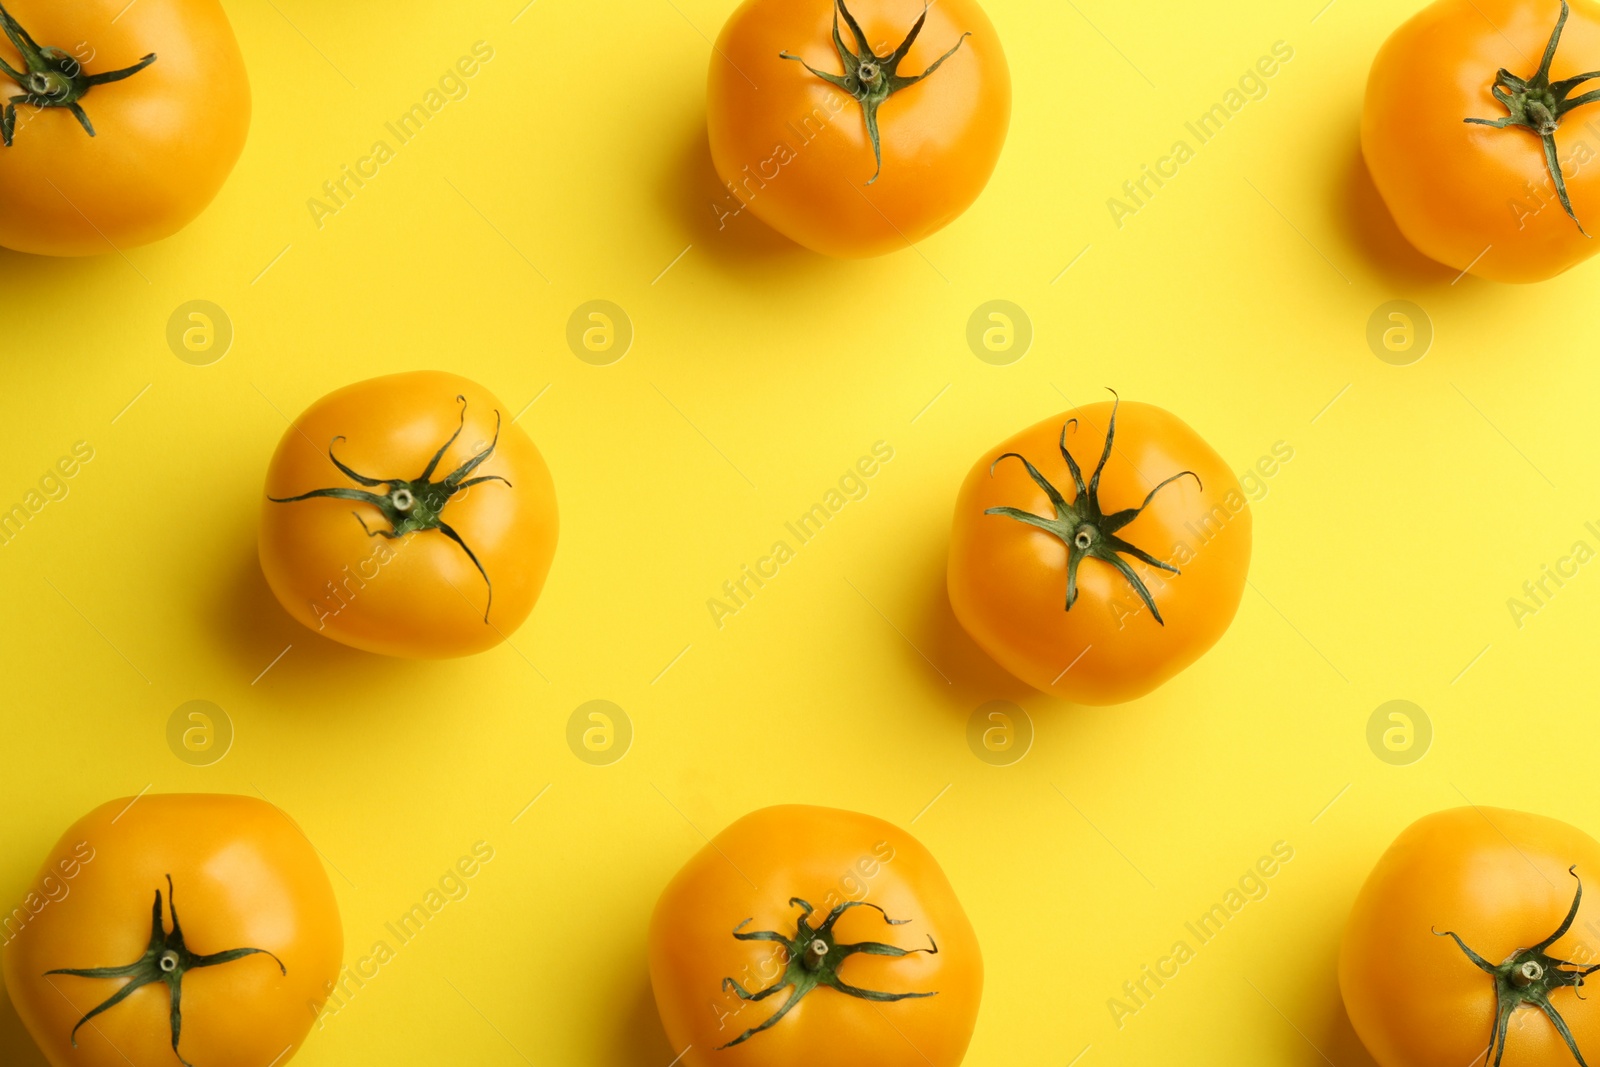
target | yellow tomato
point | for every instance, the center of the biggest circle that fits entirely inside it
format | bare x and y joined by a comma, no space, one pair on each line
1470,195
803,936
406,515
879,143
1099,591
162,85
225,970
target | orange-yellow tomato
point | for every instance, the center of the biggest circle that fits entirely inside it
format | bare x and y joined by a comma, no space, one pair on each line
795,148
1469,195
727,923
407,515
1506,883
165,136
226,874
1086,596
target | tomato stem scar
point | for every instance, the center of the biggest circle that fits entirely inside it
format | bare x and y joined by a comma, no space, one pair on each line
418,504
52,78
166,959
1538,104
870,78
1528,978
814,960
1083,526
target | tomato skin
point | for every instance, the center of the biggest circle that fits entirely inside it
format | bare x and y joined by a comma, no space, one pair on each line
1008,581
1457,190
244,875
821,855
796,150
420,596
165,138
1499,879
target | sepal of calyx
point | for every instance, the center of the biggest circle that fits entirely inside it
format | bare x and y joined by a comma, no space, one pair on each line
51,78
1083,526
870,78
814,957
1538,105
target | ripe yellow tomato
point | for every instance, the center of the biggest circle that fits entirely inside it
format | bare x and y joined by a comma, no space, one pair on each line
162,85
224,970
802,936
1471,933
823,125
1466,190
1097,587
407,515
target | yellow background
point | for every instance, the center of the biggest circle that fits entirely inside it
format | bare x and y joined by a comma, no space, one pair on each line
577,169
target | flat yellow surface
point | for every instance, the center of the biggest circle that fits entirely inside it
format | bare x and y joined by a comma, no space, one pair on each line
1418,500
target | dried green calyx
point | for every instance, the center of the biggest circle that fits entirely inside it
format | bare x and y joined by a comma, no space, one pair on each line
870,78
52,78
416,504
1528,978
1538,104
814,958
167,959
1083,526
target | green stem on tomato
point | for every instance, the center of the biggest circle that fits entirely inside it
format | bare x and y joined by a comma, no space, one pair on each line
1538,104
51,78
870,78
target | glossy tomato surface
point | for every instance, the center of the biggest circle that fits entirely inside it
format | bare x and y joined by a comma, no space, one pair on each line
1499,879
165,137
1008,580
1470,196
420,594
826,857
794,149
243,875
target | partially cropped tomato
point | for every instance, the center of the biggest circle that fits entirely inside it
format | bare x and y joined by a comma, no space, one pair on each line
1474,932
172,930
802,936
1480,135
1099,553
124,120
856,130
407,515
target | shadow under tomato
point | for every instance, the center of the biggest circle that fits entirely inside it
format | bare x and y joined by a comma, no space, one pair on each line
715,221
639,1040
16,1047
251,628
1379,241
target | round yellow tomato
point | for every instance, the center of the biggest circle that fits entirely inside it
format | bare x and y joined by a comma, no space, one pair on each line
856,130
174,929
134,115
406,515
1481,139
1473,932
1099,590
853,951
